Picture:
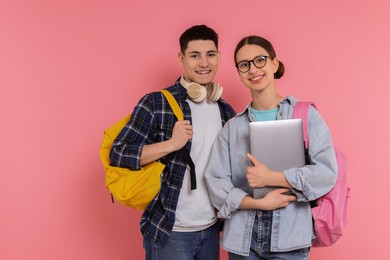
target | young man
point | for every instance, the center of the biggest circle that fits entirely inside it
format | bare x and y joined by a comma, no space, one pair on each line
180,222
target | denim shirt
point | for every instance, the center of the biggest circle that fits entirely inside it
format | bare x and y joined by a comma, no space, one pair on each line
292,226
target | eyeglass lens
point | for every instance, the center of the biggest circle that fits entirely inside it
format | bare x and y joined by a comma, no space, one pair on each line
259,62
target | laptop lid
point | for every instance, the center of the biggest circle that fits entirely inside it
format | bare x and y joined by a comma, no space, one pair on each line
279,144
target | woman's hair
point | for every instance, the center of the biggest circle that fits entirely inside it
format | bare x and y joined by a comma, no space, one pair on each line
257,40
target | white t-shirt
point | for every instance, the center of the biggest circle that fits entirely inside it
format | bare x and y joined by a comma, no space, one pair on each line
194,210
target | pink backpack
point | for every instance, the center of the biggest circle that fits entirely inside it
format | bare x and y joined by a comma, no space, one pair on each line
330,214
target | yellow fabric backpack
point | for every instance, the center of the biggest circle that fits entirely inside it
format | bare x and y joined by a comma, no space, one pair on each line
133,188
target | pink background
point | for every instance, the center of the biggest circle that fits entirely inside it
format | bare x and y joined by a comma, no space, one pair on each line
69,69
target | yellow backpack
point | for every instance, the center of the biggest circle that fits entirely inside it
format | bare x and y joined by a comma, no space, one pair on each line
133,188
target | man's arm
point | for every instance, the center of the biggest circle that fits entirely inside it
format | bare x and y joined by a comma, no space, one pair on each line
182,133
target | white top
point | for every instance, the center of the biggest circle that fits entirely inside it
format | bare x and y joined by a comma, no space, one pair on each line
194,210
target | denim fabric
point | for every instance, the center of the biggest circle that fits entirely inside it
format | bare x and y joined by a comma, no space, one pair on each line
200,245
292,227
261,239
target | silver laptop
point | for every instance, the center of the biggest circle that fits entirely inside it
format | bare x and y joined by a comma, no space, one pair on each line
279,144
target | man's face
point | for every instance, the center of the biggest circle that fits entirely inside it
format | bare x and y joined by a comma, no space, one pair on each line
200,61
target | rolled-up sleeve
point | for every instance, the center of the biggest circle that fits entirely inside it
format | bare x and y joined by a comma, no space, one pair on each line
313,181
127,147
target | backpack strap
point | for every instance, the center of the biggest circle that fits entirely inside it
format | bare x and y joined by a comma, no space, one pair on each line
179,115
301,110
173,103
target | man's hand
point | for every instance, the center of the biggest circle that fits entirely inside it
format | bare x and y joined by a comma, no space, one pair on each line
181,134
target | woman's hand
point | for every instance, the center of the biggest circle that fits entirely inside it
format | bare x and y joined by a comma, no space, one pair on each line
276,199
259,175
273,200
256,174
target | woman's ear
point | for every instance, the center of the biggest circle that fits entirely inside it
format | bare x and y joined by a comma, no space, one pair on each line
275,64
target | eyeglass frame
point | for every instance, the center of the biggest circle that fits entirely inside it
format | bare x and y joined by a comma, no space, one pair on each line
253,61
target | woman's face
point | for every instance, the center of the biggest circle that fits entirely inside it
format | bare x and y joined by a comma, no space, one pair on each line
259,76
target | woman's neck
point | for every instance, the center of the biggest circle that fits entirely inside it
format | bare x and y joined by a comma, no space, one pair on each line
266,102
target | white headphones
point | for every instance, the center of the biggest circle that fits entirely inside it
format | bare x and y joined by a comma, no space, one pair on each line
198,93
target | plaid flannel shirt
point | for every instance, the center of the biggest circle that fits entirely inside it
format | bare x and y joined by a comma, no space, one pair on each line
152,121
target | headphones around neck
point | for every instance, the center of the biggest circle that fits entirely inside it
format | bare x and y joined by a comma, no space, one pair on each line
198,93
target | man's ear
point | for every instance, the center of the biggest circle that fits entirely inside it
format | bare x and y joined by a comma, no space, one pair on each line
180,57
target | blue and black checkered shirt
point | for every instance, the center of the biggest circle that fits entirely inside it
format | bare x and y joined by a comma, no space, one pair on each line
151,122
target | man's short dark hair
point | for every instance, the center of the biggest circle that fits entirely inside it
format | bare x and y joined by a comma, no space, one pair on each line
197,32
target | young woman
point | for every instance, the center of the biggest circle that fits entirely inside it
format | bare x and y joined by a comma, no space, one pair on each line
277,226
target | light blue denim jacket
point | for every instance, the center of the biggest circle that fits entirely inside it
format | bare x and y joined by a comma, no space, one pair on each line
226,179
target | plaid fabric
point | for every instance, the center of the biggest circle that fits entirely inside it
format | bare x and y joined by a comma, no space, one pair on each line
152,121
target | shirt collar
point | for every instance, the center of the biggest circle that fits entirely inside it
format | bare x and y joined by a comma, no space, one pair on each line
181,91
289,99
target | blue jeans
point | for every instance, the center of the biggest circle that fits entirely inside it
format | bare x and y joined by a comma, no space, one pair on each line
261,240
202,245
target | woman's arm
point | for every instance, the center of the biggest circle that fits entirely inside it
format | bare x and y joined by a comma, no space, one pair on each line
273,200
316,179
260,175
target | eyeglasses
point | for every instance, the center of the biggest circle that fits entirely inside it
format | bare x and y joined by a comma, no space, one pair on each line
245,65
